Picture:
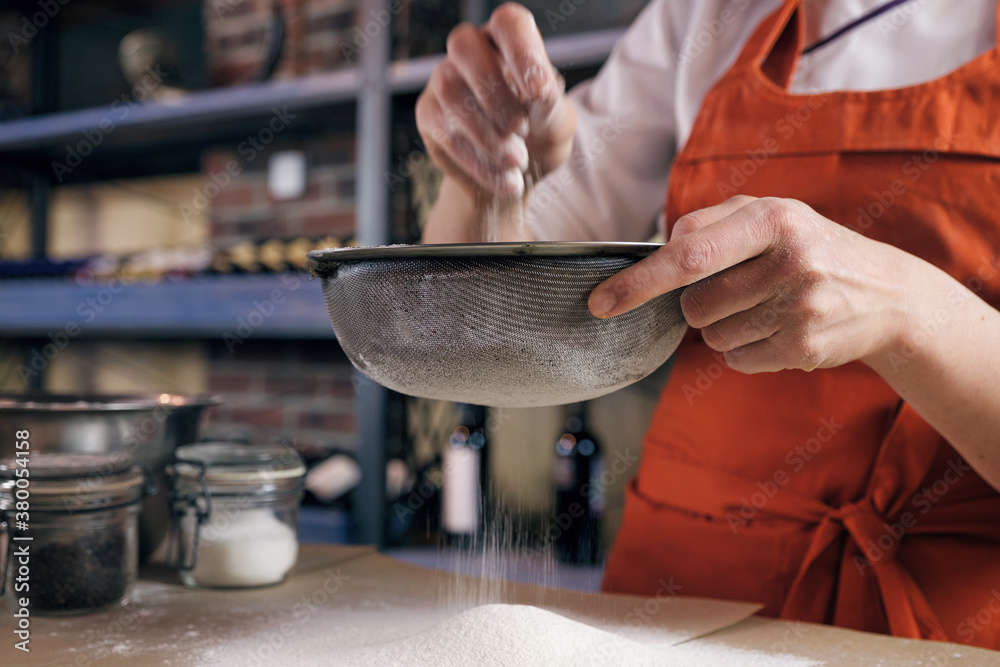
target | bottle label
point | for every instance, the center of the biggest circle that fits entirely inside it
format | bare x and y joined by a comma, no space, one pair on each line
460,490
563,473
595,493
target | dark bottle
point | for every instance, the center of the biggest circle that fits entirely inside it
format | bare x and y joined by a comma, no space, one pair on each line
579,504
464,476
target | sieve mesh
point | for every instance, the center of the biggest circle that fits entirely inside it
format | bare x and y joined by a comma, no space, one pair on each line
504,331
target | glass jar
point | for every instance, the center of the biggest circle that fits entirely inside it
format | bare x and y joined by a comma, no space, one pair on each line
71,531
234,513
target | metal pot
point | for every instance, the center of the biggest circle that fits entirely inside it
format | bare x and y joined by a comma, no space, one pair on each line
148,427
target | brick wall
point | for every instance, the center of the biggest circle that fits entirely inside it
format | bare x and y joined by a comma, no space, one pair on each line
243,209
235,33
275,390
298,391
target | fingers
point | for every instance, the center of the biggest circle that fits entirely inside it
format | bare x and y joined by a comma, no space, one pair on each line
512,28
456,153
703,217
747,232
495,107
731,291
462,113
475,59
742,329
780,351
552,118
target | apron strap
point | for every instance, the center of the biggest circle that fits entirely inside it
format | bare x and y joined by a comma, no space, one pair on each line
772,47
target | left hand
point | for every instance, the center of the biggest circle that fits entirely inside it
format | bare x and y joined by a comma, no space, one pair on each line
773,285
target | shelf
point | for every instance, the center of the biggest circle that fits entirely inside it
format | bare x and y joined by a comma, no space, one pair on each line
193,123
202,308
587,49
87,8
154,131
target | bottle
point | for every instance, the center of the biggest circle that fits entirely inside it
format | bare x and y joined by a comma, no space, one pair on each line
463,482
579,504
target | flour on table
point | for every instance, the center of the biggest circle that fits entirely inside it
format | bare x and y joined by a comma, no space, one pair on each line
500,635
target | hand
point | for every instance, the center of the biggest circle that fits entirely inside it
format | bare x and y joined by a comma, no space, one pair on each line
495,108
774,285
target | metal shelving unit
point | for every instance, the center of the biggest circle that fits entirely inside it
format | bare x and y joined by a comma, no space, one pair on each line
208,307
316,101
288,306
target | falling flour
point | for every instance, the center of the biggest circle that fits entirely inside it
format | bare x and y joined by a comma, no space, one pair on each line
500,635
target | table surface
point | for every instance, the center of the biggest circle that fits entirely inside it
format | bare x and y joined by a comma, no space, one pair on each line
346,598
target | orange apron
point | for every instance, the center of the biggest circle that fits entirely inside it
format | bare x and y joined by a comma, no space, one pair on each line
822,494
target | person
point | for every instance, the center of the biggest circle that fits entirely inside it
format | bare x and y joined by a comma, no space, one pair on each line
828,442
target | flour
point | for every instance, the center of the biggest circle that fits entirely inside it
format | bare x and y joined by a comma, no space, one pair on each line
255,548
499,635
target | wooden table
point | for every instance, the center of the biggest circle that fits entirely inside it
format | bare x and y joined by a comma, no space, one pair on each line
344,598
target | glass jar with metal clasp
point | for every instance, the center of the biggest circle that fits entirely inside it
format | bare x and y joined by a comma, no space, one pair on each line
234,513
70,530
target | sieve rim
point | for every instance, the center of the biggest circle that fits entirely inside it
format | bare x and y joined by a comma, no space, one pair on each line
329,257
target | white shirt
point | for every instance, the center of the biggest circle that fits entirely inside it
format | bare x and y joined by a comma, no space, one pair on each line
638,112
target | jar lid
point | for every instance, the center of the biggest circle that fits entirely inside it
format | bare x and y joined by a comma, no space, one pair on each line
69,483
227,464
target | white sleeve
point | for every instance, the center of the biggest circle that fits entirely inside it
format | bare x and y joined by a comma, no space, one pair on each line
614,183
634,117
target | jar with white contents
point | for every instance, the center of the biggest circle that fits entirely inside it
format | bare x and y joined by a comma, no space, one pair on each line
234,513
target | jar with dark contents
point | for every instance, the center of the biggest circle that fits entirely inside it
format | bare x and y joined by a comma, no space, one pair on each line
71,531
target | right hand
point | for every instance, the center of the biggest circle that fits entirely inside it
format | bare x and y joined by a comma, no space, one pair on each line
495,109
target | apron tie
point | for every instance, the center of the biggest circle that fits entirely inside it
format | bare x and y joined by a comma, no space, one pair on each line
877,539
852,552
870,552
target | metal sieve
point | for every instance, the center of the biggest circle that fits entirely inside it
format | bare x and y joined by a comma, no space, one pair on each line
498,324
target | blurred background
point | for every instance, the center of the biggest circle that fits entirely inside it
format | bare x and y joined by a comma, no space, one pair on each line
164,167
